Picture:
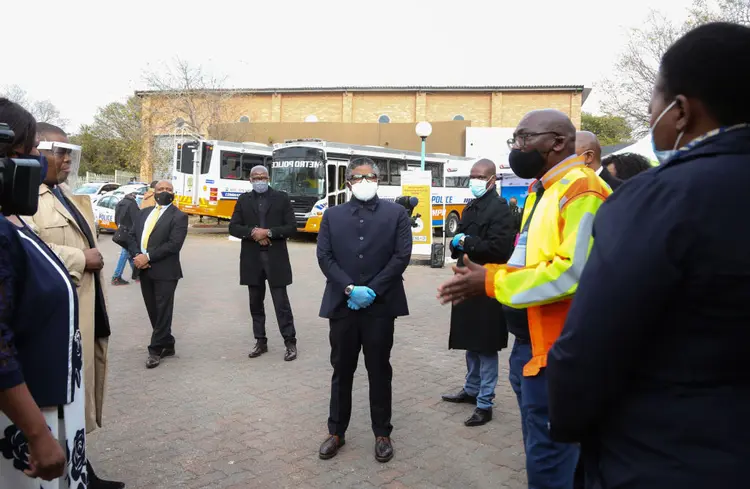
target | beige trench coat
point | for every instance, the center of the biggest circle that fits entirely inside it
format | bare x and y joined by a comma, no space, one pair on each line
59,230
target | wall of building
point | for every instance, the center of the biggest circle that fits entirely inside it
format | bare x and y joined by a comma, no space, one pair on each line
478,109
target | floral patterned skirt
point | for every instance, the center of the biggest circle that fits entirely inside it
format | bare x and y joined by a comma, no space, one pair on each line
68,424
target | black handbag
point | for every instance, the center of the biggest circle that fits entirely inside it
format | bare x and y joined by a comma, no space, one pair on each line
121,236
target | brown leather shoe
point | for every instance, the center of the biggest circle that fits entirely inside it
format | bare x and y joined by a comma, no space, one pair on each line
330,447
383,449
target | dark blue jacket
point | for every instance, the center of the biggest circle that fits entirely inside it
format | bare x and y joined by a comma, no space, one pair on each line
365,244
652,370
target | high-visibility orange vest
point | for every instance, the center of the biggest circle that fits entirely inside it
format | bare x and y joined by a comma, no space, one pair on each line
543,272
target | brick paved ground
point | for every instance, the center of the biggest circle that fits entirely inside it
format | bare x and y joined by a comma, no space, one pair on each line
213,418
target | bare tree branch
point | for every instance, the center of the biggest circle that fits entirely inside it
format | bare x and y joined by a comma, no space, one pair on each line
190,94
42,110
627,92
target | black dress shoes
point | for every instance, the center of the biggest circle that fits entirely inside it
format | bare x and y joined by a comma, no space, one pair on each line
97,483
480,417
330,447
153,361
258,350
291,352
461,397
383,449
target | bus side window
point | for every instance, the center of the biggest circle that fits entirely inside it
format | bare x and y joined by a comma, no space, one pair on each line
208,150
342,178
230,165
394,171
457,182
341,198
437,173
248,163
331,180
384,172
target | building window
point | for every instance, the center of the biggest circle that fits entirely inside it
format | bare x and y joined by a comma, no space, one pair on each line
311,118
244,118
458,117
384,119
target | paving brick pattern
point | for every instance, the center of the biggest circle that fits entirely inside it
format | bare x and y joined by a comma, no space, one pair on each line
213,418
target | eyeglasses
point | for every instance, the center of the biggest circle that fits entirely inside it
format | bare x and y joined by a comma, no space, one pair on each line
258,179
520,140
370,177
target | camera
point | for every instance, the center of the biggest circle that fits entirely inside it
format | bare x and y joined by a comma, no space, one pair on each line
19,180
409,203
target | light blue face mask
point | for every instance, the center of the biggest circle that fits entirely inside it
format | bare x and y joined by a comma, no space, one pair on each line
664,155
260,187
478,187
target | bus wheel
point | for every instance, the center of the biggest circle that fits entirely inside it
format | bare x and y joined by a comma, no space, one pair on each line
452,224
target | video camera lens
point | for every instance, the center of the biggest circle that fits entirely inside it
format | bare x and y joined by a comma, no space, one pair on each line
19,180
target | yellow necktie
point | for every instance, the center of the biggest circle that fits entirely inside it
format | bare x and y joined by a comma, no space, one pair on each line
150,225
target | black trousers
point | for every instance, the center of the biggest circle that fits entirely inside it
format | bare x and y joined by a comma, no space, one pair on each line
375,336
158,296
281,305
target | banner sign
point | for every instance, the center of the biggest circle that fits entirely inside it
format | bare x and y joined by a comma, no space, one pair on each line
418,184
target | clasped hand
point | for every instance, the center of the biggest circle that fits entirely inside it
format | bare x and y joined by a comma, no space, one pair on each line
141,261
361,298
261,236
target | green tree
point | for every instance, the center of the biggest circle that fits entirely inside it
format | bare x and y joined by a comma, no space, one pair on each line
114,141
610,129
627,92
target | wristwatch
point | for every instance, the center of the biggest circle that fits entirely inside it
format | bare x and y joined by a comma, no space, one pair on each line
270,234
461,241
349,289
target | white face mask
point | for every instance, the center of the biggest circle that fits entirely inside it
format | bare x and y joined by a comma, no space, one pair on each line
365,190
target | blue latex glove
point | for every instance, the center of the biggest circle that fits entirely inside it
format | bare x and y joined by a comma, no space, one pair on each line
352,305
362,296
455,242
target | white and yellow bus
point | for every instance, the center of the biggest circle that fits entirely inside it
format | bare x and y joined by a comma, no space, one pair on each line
209,176
313,173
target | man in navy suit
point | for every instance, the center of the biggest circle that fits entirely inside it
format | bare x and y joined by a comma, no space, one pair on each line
364,247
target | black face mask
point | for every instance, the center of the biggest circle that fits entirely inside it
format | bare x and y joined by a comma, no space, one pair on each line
164,198
526,164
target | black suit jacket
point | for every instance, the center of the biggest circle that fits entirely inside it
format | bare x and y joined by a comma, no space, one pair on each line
280,221
610,179
164,244
365,244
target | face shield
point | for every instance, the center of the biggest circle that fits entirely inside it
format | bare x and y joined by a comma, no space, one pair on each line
64,158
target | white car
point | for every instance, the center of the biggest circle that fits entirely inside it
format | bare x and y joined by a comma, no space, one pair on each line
96,190
104,213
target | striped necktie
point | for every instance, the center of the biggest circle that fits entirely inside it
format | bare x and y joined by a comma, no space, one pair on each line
150,225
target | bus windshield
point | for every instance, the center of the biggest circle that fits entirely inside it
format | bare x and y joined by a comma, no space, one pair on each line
299,171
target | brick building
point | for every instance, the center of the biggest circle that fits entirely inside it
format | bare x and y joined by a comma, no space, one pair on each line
478,106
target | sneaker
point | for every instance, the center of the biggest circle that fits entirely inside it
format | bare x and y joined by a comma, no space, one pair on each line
119,281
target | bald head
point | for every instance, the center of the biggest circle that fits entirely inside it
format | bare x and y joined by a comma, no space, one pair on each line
552,120
587,144
549,132
484,168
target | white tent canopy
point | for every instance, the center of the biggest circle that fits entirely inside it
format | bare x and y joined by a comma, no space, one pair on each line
642,147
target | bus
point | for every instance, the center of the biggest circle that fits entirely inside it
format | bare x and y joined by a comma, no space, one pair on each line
313,173
209,176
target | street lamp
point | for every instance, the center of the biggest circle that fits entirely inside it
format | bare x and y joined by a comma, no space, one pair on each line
423,129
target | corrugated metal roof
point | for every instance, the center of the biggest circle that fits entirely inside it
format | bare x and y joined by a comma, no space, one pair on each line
390,88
